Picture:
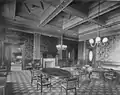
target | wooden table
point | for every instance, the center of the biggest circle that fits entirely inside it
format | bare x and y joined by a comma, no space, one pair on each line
56,72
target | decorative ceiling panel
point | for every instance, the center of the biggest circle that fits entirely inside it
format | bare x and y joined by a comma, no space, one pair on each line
48,16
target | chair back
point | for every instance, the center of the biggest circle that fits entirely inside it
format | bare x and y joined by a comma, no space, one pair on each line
3,71
3,68
111,74
72,82
43,79
35,73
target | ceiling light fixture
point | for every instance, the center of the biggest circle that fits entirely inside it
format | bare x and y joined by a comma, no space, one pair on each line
61,46
98,40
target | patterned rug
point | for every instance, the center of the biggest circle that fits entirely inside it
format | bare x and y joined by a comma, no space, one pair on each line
18,83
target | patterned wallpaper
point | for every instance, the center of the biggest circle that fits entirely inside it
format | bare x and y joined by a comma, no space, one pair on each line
28,52
47,46
111,51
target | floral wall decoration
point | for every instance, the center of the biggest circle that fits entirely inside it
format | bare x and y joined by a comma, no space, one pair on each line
28,48
110,52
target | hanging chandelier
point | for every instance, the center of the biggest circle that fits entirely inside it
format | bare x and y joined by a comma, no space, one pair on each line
98,40
61,46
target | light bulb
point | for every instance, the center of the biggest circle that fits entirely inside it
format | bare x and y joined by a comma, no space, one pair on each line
91,41
105,40
98,39
61,47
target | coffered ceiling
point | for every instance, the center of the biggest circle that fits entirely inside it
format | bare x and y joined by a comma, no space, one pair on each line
75,19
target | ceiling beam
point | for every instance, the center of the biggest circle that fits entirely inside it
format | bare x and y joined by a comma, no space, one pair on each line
80,16
100,28
9,9
113,30
20,27
51,12
43,33
104,10
75,12
112,25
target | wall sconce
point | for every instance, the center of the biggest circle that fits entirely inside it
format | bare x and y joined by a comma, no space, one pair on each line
98,41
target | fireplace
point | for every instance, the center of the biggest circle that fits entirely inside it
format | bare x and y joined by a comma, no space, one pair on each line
48,62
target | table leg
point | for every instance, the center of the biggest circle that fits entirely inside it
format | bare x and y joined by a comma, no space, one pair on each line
41,84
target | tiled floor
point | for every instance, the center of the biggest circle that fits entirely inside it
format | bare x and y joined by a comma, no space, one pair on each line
18,83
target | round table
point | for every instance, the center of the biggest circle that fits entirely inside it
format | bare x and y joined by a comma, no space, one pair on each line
56,72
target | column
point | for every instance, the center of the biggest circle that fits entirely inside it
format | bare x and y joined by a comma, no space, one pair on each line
60,54
36,48
73,56
60,41
84,54
81,54
2,39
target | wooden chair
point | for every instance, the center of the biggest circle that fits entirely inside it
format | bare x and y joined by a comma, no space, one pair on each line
82,74
3,71
70,84
77,75
34,75
42,81
110,76
3,84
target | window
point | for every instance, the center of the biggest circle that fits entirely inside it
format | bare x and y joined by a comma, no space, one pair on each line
69,55
90,55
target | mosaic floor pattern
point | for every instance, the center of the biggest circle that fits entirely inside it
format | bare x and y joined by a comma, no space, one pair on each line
18,83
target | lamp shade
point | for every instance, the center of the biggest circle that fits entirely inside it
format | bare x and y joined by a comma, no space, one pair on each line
91,41
105,40
98,39
61,47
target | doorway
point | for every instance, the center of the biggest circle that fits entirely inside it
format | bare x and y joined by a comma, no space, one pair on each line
16,61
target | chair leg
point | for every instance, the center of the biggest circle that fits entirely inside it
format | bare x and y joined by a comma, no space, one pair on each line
75,92
50,87
37,86
41,89
66,92
61,90
3,91
78,82
31,81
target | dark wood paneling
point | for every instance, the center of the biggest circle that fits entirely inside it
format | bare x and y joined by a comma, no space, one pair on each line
49,44
2,37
